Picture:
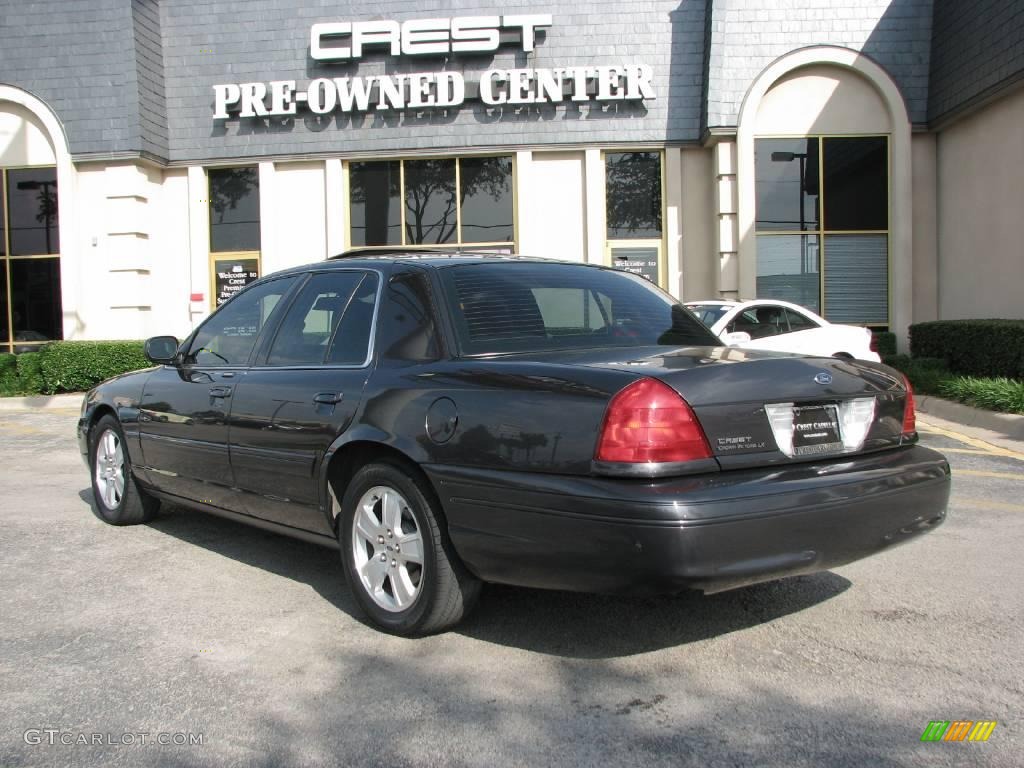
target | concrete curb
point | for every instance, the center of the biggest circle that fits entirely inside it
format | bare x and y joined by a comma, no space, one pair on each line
1009,424
71,401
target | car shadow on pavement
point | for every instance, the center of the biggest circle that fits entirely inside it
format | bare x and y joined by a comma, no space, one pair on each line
584,626
563,624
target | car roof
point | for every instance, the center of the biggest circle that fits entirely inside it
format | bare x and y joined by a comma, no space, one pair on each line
438,257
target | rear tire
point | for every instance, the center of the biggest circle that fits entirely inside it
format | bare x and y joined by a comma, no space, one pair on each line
398,559
119,499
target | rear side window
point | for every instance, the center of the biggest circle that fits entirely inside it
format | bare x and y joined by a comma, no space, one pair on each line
799,322
409,330
329,321
526,307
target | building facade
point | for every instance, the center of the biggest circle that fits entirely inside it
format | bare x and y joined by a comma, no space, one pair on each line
860,157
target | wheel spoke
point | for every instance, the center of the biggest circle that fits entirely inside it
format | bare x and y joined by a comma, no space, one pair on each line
402,587
391,511
108,493
109,444
367,525
412,548
373,572
118,481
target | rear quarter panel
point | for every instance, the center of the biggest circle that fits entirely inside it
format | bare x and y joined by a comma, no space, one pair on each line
510,415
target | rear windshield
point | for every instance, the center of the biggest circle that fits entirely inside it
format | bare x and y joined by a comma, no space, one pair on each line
531,307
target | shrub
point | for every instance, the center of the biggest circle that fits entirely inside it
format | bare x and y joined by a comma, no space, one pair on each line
73,366
8,374
987,348
997,394
926,374
30,372
885,343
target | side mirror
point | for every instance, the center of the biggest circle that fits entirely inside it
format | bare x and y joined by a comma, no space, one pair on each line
737,337
161,349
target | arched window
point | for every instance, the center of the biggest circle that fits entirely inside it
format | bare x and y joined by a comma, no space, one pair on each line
30,291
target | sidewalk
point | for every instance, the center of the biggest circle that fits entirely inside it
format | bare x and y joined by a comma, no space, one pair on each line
71,401
1006,429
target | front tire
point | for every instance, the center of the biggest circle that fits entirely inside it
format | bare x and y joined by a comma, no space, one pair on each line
398,560
119,499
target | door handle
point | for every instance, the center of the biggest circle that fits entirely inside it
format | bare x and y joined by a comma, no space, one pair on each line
220,391
328,398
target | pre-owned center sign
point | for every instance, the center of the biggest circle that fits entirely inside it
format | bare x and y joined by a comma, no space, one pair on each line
347,41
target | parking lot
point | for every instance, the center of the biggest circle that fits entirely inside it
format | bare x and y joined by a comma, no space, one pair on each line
203,630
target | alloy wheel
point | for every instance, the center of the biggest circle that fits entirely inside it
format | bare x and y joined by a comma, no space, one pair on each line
109,469
387,548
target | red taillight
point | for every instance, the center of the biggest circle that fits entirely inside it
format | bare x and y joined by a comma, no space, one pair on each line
873,344
649,422
909,417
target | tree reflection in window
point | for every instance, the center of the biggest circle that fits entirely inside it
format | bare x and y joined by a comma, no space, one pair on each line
32,210
633,194
486,199
234,209
430,209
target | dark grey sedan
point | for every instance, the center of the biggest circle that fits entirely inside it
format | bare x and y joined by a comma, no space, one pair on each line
449,419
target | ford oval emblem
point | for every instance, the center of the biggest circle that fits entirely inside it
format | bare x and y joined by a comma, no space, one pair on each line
823,378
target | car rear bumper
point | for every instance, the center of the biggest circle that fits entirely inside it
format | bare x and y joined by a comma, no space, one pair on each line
709,532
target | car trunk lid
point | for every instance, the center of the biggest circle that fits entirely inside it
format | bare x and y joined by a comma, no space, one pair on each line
761,408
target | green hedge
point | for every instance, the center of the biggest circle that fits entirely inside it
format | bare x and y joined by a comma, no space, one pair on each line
74,366
885,343
9,374
986,348
931,376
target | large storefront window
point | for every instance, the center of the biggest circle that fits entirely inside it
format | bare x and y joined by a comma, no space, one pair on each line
633,212
823,225
30,301
449,201
234,230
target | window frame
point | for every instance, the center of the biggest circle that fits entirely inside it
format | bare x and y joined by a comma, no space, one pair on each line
662,242
821,231
215,256
9,344
512,245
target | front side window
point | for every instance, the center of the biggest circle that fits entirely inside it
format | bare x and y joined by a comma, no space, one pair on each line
822,223
30,288
228,337
329,321
445,201
502,308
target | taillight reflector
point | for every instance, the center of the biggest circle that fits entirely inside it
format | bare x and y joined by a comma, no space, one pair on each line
909,416
649,422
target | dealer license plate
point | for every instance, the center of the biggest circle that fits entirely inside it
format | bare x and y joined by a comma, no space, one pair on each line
816,430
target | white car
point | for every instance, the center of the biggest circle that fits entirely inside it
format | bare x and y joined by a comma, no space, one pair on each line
782,327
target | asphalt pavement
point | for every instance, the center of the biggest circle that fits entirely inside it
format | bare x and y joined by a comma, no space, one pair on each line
240,648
